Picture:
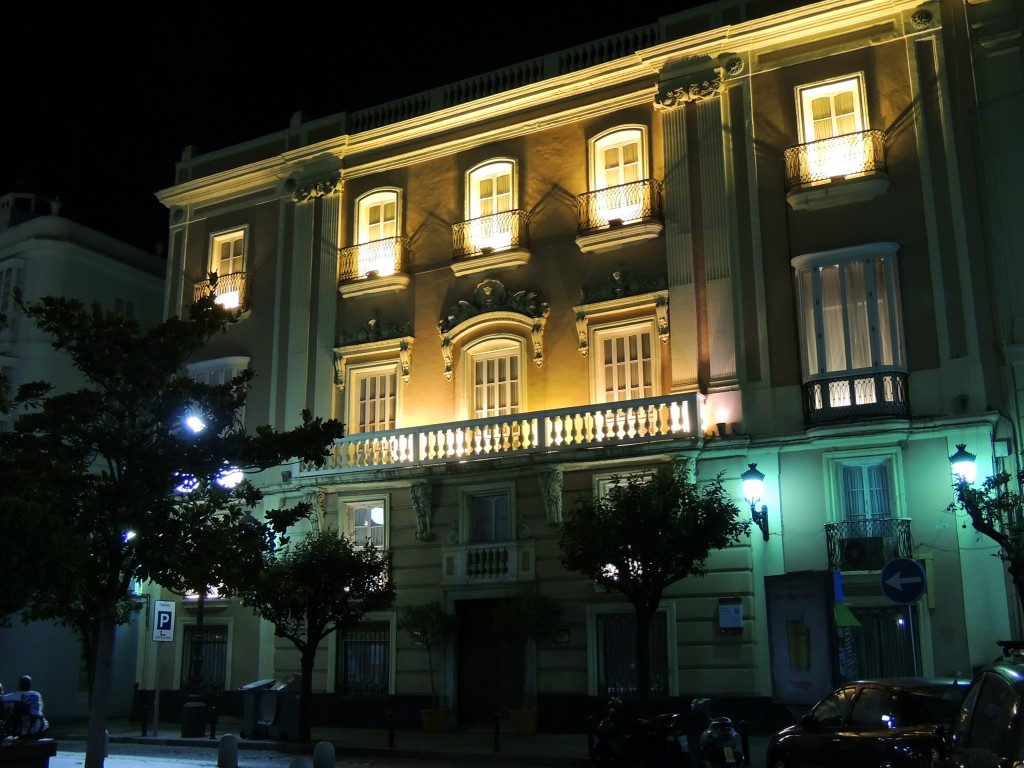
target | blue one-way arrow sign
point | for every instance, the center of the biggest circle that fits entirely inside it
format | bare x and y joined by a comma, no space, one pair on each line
903,580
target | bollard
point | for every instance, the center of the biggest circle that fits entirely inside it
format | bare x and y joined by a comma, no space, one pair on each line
106,743
145,719
300,762
213,722
323,755
590,734
497,731
391,728
744,740
227,752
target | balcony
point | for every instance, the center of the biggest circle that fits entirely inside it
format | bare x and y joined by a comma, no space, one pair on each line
487,563
616,216
565,430
867,545
374,267
836,171
232,290
857,395
499,241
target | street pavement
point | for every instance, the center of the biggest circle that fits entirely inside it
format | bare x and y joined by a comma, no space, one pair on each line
351,747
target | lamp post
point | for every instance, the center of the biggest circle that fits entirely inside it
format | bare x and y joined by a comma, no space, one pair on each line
963,464
753,487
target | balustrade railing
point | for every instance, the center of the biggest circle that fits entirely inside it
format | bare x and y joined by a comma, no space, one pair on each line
487,562
232,290
378,258
655,418
487,234
619,206
858,395
853,154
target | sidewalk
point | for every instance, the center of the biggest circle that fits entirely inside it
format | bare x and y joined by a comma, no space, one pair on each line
472,747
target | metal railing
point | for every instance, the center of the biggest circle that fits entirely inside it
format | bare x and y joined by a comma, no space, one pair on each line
633,421
378,258
487,234
864,394
618,206
851,155
232,290
868,544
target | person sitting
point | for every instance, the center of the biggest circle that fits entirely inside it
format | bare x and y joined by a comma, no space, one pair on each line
27,710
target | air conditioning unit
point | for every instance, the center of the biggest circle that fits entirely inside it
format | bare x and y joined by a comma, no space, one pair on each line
863,554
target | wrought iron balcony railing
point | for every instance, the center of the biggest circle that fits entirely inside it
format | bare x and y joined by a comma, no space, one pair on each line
378,258
849,156
868,544
857,395
232,290
487,562
566,429
626,204
488,234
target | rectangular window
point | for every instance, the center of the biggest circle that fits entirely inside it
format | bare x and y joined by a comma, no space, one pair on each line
8,386
616,655
489,518
363,659
831,114
366,523
227,259
495,383
374,397
625,364
8,282
866,491
212,650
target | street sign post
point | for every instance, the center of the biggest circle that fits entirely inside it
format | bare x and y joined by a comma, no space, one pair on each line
903,580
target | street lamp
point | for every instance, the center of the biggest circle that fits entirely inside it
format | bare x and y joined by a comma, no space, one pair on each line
753,487
963,464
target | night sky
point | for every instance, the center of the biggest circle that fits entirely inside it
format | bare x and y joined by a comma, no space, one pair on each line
99,101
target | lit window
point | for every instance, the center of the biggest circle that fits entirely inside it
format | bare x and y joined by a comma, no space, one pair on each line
227,259
494,369
829,111
373,398
618,162
850,316
491,193
365,521
377,228
625,362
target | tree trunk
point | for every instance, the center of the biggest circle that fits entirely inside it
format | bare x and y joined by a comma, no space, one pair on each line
96,745
306,693
643,660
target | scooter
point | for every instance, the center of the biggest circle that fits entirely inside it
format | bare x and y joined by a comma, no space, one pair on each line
713,742
656,742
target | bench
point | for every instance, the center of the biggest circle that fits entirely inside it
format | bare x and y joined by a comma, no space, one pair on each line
27,753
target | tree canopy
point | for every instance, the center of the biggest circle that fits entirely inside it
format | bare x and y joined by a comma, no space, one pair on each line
318,584
648,532
108,485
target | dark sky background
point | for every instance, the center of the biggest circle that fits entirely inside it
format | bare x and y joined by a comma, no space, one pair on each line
98,101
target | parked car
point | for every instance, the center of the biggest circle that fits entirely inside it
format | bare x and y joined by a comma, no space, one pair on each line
988,731
888,722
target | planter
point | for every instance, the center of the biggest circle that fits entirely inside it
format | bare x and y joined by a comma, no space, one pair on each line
523,721
434,720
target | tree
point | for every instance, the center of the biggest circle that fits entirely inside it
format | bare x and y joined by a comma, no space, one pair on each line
321,583
996,510
127,491
429,625
649,532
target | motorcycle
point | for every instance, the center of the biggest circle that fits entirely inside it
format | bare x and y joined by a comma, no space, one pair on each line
656,742
712,742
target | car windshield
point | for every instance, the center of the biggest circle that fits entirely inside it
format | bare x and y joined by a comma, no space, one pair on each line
939,704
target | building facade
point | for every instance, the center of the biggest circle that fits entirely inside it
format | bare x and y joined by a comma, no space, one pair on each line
45,254
750,238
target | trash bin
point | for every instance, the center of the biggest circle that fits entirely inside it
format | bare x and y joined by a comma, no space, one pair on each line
284,725
254,704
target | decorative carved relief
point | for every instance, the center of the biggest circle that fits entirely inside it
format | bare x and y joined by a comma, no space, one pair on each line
424,511
400,345
551,491
317,189
685,90
491,298
921,19
657,300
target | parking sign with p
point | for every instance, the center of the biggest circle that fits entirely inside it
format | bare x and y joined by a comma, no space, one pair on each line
163,621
